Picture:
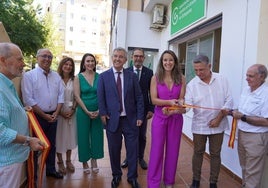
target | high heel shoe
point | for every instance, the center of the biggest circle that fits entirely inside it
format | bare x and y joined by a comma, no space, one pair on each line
86,169
70,166
62,168
94,166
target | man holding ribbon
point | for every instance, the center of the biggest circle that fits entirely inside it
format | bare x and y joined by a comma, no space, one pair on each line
15,143
252,115
207,89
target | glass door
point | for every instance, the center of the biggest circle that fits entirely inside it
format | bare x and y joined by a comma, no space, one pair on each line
202,45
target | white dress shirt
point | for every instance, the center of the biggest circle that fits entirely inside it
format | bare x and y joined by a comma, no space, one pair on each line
254,104
45,91
135,70
216,94
123,113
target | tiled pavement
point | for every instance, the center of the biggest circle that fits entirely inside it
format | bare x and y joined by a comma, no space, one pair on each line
103,179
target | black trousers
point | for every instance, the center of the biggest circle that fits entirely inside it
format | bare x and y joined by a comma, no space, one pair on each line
49,129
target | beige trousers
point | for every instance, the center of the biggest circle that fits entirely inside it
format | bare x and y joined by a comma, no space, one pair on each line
252,151
10,176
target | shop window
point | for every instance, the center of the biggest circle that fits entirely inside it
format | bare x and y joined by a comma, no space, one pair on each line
203,45
208,45
202,39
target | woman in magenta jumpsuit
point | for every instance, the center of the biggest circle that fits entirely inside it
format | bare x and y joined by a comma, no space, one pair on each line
167,89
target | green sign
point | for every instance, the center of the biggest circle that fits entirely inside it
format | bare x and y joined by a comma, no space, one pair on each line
186,12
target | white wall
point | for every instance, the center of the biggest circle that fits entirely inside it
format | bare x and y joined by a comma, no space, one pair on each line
120,30
133,30
138,32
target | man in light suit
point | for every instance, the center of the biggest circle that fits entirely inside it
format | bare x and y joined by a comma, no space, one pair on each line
144,75
121,117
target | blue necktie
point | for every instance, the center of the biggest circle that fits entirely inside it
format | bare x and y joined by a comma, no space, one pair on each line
138,73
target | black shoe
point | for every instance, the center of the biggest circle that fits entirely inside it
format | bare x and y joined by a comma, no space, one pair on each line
124,164
55,174
134,183
213,185
195,184
115,182
143,164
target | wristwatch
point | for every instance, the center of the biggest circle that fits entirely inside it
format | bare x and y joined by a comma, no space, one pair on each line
27,141
244,118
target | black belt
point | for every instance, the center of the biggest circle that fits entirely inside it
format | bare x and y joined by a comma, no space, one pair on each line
51,112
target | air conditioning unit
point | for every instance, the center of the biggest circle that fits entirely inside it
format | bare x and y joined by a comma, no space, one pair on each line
158,14
158,18
157,27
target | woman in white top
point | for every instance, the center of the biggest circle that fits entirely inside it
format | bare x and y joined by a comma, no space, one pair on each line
66,129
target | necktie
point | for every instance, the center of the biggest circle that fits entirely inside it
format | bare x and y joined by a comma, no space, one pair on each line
138,73
119,89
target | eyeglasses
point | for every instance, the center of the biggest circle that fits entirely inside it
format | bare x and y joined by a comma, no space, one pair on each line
138,56
46,56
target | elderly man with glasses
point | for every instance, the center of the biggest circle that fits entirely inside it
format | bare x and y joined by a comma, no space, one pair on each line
42,89
252,115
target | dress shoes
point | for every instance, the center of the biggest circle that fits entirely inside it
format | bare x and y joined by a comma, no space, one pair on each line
115,182
54,174
134,183
143,164
195,184
124,164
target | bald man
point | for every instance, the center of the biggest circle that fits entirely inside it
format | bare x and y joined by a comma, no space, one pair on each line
15,142
252,115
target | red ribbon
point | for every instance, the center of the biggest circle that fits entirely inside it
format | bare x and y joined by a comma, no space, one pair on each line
232,135
36,128
190,106
234,121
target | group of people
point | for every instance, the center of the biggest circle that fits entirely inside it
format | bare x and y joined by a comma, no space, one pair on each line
73,110
209,95
65,106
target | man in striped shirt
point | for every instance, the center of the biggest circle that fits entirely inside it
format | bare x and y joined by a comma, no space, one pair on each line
15,142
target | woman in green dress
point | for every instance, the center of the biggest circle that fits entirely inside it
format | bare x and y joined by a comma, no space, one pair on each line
89,126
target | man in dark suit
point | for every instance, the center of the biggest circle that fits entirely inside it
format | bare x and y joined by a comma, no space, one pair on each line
121,110
144,75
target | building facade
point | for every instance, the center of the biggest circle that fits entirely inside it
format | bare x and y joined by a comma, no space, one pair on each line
233,34
83,26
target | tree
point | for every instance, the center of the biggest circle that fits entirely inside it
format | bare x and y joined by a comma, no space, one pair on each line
22,25
28,30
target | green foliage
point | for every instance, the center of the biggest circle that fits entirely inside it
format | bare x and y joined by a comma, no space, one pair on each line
28,30
23,27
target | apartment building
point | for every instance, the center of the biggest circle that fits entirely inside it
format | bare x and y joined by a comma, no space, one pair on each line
83,27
